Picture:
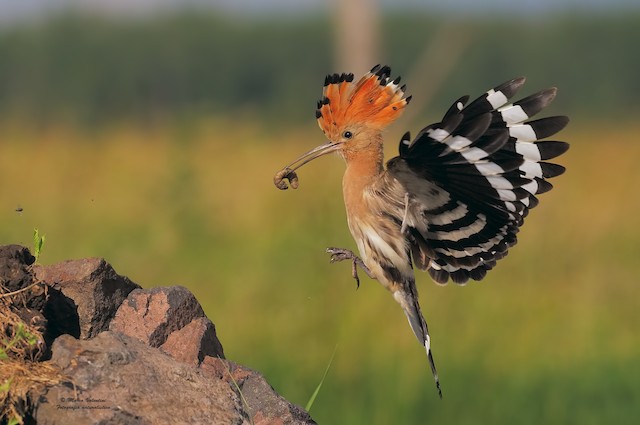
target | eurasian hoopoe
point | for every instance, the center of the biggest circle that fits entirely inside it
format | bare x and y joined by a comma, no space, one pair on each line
453,200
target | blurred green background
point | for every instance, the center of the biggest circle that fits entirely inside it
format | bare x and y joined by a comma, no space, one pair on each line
151,139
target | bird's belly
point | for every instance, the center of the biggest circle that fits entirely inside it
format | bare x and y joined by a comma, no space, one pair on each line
382,246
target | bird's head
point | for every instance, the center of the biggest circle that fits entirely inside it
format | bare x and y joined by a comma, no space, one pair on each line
353,115
350,114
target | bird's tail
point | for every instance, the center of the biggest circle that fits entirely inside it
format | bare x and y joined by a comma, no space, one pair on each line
409,302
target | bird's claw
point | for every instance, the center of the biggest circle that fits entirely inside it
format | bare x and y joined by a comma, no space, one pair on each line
340,254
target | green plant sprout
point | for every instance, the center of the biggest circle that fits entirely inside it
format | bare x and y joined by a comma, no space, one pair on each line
38,243
21,334
5,386
317,390
244,400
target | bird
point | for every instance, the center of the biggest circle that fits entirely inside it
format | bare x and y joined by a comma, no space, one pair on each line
453,200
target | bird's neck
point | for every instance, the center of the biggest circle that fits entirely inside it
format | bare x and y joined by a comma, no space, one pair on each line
365,164
364,167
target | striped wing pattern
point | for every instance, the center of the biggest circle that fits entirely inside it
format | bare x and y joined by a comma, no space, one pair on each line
483,165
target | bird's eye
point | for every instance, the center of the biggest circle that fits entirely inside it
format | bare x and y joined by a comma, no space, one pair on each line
347,135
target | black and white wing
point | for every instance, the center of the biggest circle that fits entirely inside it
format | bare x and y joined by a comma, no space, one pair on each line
472,178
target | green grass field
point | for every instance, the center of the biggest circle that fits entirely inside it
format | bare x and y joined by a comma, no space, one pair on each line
550,336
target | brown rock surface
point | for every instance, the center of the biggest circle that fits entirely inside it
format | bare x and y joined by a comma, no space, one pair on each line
120,380
265,405
151,315
14,267
16,274
193,342
85,295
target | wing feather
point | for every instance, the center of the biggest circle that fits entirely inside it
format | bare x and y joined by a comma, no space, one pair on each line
473,178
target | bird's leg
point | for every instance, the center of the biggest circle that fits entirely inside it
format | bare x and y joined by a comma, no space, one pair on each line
404,227
341,254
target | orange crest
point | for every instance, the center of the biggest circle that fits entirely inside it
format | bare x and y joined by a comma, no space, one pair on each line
375,101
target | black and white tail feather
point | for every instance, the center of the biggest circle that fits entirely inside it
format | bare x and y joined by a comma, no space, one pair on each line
408,300
484,164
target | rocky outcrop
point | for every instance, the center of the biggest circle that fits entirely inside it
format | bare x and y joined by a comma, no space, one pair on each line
128,355
119,379
83,297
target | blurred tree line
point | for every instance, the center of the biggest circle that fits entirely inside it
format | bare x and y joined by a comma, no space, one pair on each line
93,72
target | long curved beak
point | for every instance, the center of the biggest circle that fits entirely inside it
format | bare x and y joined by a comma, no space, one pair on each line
289,173
314,153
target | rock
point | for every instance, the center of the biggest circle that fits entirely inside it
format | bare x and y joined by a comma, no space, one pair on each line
193,342
120,380
265,405
85,295
160,361
14,262
16,274
268,407
151,315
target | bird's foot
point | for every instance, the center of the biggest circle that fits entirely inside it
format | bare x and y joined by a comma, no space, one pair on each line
341,254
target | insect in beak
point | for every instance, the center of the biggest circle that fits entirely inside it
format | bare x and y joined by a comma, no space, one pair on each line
289,172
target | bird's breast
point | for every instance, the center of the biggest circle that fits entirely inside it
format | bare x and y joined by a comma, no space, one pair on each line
374,220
